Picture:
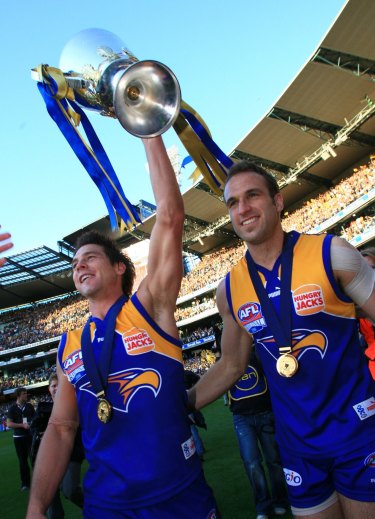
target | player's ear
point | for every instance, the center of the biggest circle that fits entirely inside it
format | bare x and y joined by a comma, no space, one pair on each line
120,268
279,202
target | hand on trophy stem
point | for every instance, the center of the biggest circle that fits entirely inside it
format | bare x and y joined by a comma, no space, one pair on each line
4,246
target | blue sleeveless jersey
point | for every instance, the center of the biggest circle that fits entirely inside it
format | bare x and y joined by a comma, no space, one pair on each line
329,404
145,454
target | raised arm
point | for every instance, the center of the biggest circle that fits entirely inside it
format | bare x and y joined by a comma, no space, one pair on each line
55,449
159,290
235,353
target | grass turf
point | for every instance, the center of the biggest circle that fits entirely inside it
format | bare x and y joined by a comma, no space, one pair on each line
222,466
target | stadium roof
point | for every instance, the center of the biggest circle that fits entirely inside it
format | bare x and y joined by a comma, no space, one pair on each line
323,122
34,275
319,129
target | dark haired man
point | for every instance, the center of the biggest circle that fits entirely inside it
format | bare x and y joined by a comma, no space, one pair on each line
295,295
20,415
123,375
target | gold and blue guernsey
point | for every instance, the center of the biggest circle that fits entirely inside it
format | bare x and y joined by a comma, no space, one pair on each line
327,408
145,454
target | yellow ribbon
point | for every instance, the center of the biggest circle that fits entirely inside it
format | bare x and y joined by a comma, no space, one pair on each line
198,151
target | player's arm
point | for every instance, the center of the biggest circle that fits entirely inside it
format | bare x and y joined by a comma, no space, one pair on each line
354,275
159,290
235,353
55,449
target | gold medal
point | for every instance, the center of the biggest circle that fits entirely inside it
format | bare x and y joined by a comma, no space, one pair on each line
104,410
287,365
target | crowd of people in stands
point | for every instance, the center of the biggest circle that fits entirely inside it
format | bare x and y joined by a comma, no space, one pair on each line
359,226
319,209
212,268
26,377
201,332
42,321
197,307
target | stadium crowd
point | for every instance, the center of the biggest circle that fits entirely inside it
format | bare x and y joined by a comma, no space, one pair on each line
319,209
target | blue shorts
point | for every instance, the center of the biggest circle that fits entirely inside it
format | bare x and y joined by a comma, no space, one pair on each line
194,502
311,481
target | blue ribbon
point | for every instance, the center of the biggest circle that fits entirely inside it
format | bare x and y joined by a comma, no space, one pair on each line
202,133
111,197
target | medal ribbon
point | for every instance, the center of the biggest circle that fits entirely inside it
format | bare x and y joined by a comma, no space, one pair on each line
211,161
98,375
59,100
281,328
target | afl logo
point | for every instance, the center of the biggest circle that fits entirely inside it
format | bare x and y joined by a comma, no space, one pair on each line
250,315
370,461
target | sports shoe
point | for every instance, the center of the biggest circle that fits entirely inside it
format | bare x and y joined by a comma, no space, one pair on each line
279,510
262,516
24,488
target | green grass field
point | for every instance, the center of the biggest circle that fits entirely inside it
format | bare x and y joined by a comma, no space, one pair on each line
222,466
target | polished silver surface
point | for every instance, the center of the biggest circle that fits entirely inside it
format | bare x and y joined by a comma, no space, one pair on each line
106,77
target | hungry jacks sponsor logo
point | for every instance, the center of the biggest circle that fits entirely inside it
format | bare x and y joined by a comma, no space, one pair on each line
308,299
137,341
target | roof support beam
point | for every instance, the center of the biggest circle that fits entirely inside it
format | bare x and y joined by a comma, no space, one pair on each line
281,168
322,129
360,67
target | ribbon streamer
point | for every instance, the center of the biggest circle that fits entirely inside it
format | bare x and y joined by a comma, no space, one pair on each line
211,161
59,99
194,134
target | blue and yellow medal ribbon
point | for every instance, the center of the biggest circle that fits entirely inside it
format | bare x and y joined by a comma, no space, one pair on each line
210,160
59,99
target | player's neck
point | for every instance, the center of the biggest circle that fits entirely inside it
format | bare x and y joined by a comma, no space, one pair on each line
99,306
267,252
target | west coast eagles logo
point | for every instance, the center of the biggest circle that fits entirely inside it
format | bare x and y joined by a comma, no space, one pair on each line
128,383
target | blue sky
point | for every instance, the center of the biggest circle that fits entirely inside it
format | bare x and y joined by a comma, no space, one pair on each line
232,59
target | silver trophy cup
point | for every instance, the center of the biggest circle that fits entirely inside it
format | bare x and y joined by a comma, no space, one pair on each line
106,77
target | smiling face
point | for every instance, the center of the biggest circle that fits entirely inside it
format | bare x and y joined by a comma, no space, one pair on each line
93,274
255,215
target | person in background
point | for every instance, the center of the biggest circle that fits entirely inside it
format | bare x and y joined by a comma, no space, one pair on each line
20,416
254,424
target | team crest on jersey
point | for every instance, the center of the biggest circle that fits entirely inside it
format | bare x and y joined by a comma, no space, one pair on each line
370,461
302,341
308,299
128,383
73,366
137,341
251,317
